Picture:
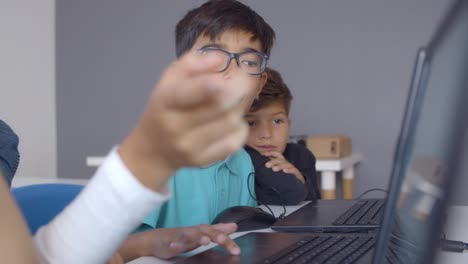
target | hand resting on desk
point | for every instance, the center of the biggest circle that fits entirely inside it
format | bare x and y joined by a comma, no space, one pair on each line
166,243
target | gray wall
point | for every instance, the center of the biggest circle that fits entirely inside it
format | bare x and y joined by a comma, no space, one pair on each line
348,63
27,82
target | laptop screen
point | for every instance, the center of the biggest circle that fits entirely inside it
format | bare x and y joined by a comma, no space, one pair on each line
428,159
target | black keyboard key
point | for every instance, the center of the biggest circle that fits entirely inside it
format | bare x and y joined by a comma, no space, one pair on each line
291,248
369,243
323,249
344,252
359,214
350,212
363,212
314,247
298,248
317,251
334,250
371,216
391,257
377,219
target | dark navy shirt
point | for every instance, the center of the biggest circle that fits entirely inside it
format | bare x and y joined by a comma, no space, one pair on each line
280,188
9,155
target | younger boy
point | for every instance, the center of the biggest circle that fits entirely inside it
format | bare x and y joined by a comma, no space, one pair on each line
284,173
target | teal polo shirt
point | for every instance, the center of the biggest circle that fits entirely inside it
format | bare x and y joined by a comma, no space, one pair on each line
199,194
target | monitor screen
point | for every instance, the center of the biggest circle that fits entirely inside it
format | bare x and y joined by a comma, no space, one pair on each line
429,158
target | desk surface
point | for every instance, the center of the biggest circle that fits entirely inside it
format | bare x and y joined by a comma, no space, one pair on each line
321,164
338,164
455,230
22,181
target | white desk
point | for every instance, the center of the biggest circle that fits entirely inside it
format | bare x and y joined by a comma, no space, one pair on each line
458,217
326,167
22,181
94,161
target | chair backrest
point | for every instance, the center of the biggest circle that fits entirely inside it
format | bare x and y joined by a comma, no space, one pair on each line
40,203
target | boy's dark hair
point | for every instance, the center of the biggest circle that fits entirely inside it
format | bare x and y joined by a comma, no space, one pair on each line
275,90
217,16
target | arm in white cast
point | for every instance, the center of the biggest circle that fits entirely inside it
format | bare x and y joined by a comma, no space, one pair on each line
94,225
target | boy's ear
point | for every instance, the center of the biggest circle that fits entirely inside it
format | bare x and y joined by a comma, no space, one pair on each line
263,80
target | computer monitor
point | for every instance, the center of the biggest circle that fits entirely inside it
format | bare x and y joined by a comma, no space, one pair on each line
429,160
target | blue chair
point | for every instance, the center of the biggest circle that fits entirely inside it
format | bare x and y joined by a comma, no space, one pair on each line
40,203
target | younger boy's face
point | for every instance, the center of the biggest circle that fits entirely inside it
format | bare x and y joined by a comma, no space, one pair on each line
269,128
236,41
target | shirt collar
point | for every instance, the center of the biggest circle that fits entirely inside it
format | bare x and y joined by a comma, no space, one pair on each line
232,162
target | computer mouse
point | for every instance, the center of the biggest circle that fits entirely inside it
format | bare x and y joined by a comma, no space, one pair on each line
246,217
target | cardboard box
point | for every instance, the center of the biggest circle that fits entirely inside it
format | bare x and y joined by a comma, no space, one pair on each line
329,146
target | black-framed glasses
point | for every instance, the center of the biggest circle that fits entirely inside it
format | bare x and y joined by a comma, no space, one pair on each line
251,62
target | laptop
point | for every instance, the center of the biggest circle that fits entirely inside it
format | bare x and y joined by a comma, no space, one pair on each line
355,215
423,173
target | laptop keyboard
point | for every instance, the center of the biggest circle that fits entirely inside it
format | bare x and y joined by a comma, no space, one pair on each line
363,212
323,249
398,254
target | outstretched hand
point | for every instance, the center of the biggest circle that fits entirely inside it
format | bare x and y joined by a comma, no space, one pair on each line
193,118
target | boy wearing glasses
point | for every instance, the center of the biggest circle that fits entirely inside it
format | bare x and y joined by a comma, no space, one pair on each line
284,173
239,37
